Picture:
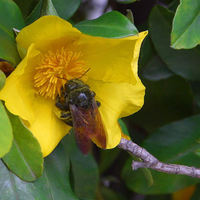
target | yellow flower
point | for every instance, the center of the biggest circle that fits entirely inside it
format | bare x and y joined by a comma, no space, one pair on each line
55,49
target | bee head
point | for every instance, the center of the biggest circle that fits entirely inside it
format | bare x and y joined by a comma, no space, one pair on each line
73,85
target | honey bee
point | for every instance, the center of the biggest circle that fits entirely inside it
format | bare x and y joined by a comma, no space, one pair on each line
80,110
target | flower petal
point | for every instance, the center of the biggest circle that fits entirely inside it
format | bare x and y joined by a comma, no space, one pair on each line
47,28
36,111
47,127
117,100
112,60
18,92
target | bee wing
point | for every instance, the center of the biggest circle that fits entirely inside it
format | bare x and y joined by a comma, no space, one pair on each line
100,137
79,122
84,143
88,126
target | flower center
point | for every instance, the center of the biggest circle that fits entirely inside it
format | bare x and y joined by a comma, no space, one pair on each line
56,69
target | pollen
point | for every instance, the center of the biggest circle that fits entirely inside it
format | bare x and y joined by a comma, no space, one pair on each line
55,69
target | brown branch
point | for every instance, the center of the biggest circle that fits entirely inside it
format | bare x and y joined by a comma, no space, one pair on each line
149,161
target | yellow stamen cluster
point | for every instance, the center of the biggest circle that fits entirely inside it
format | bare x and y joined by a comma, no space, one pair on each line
56,69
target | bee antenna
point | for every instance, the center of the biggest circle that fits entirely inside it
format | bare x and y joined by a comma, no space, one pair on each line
62,78
78,77
84,73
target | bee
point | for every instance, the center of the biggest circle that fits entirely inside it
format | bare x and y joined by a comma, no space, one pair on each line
80,110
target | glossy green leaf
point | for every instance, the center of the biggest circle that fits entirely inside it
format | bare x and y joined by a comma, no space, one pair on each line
53,184
182,62
35,14
107,158
2,79
48,8
129,15
44,7
173,5
151,65
195,85
66,8
166,101
25,158
6,136
14,19
123,127
185,32
110,25
173,143
26,6
84,169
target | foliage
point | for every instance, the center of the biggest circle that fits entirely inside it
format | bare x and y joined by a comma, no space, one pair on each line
167,125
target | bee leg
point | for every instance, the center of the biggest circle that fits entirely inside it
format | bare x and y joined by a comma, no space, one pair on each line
66,117
98,104
62,105
93,94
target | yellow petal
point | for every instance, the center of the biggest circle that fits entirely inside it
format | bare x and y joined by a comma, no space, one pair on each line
47,28
117,100
112,60
125,136
36,111
18,92
47,127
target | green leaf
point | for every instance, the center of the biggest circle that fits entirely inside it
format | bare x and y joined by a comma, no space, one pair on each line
53,184
8,50
66,8
6,136
26,6
129,15
182,62
107,157
123,127
84,169
2,79
25,158
173,5
196,195
173,143
111,194
48,8
44,7
151,65
35,14
110,25
195,85
186,25
166,101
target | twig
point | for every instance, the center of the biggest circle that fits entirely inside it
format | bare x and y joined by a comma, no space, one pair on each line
149,161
